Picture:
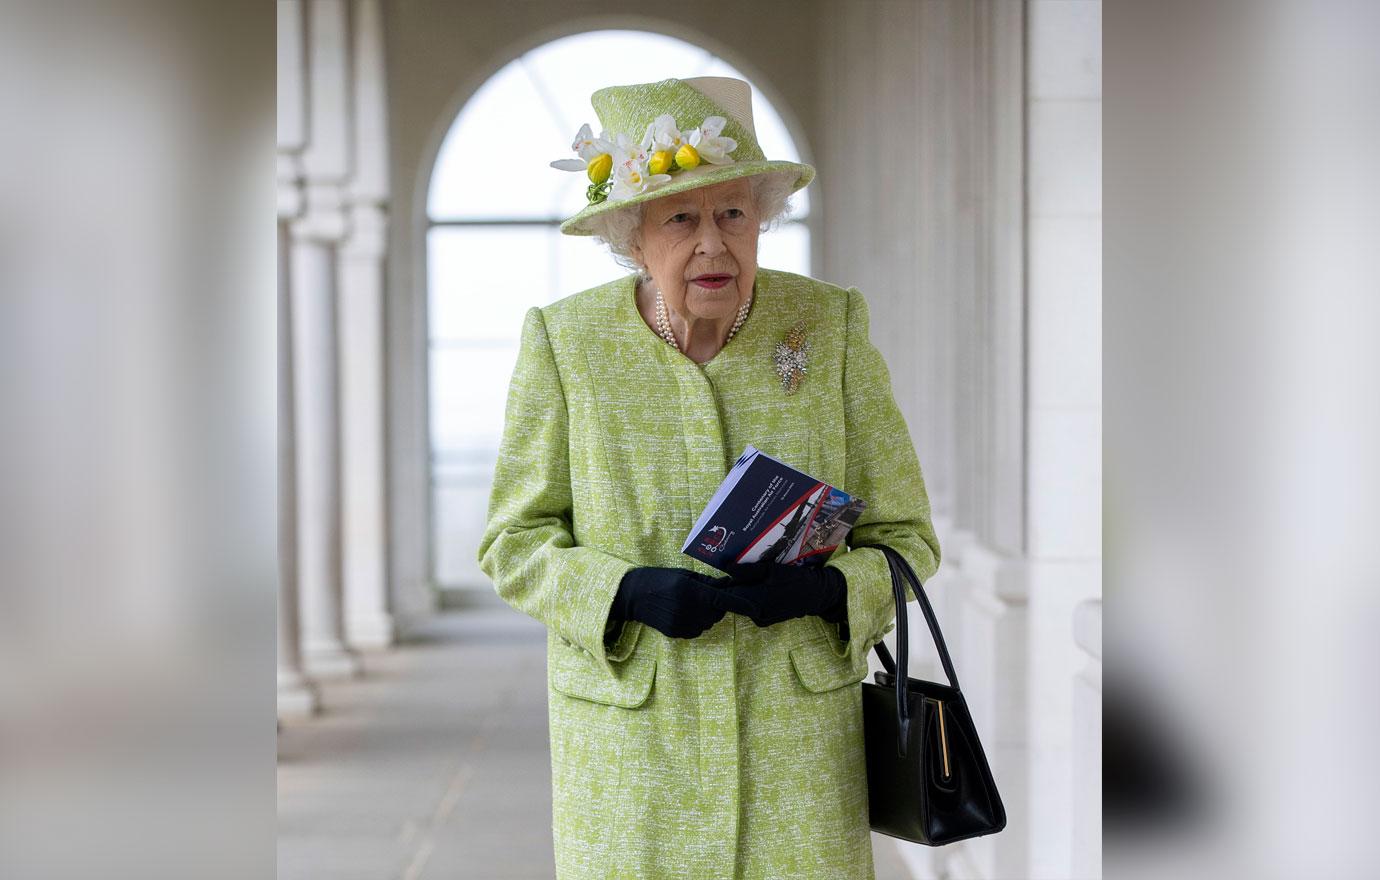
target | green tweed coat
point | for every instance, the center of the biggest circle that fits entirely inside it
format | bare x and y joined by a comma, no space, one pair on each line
737,754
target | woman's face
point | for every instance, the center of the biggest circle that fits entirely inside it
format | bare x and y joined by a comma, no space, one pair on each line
711,230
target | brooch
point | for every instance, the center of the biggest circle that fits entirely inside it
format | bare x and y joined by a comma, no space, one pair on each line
790,357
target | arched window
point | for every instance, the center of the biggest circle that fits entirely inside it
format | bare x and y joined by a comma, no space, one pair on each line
494,247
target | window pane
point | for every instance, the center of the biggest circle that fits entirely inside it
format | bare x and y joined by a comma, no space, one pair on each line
483,279
469,389
459,514
495,159
583,264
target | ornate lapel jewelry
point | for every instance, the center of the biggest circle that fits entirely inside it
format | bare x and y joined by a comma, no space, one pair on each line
790,356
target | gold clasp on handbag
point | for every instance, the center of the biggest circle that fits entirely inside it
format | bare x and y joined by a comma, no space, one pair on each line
943,737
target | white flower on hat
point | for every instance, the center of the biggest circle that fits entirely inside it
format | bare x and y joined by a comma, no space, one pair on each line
631,175
591,151
627,148
662,134
709,142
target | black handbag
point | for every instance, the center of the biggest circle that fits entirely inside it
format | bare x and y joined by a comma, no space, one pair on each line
927,776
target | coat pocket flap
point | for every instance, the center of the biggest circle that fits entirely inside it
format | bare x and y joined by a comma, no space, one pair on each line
575,674
820,668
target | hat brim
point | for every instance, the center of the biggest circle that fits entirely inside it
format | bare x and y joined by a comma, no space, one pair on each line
687,180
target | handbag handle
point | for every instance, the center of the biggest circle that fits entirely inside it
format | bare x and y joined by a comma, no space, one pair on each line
900,573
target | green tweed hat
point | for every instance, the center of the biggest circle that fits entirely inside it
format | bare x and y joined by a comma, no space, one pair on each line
667,137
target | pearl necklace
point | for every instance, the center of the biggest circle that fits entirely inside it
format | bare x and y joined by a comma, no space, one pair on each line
663,322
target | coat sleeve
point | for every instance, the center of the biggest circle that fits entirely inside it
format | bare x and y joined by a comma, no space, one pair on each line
528,548
883,470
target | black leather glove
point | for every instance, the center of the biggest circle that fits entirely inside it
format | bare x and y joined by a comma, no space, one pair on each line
788,591
676,601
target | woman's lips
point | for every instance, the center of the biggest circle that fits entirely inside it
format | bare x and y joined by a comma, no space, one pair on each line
713,282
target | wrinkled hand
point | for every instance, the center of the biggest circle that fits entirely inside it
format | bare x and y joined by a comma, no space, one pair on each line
676,601
784,592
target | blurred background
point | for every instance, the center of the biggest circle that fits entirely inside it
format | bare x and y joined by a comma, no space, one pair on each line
958,146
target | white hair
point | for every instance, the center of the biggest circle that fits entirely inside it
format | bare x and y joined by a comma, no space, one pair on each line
620,229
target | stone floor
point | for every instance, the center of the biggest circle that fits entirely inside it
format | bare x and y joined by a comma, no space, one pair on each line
434,763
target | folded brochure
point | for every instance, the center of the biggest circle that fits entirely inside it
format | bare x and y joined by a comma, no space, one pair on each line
766,509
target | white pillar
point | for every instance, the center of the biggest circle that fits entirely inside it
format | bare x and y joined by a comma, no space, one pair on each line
368,623
292,76
1087,742
318,459
1063,486
297,695
316,236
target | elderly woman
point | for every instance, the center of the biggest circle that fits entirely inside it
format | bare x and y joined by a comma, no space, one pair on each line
702,725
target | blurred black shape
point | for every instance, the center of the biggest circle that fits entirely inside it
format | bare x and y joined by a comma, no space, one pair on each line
1150,780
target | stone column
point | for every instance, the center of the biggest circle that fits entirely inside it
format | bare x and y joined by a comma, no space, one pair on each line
368,623
318,452
297,695
1087,742
1063,401
316,238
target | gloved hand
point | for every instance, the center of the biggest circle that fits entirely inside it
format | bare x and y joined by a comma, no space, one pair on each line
787,591
676,601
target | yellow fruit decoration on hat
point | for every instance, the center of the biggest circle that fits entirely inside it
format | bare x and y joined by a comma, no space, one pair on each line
660,163
687,157
600,167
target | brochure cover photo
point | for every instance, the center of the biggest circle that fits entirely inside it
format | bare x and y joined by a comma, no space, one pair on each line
766,509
